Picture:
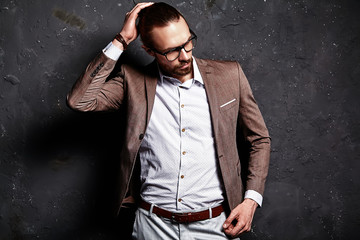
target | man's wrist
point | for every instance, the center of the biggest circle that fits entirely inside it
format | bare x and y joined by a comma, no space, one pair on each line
118,44
257,197
251,202
120,39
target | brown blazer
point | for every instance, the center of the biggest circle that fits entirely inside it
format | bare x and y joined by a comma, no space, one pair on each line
232,119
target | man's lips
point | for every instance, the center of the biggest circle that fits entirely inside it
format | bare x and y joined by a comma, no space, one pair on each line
186,65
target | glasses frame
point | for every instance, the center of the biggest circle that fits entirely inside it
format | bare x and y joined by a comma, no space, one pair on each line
179,48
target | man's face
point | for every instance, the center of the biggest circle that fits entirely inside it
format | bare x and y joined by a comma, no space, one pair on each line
166,38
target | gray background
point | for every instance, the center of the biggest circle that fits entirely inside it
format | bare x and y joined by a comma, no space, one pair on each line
302,60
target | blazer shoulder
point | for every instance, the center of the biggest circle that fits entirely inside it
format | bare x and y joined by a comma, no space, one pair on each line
225,68
214,62
222,65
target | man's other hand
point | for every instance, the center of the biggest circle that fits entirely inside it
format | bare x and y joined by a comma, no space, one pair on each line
240,218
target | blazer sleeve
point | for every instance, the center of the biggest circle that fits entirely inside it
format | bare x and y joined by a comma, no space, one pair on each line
91,92
255,134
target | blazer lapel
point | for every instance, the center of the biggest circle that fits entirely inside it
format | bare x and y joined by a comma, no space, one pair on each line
210,83
151,78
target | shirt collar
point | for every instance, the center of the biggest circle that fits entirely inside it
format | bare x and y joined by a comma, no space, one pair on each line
197,76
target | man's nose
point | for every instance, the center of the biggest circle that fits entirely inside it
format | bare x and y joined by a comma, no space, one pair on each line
183,55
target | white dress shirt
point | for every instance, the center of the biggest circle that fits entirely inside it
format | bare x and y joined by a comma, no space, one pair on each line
179,169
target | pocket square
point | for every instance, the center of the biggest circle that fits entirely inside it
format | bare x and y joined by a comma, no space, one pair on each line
228,103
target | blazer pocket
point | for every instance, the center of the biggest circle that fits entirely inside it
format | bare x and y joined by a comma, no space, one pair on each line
228,104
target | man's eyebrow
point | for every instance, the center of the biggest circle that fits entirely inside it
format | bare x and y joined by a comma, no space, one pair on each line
168,49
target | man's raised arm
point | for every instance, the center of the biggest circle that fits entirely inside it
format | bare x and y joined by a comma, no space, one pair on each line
92,92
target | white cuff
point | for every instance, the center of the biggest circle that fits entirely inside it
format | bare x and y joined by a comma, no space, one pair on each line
113,52
254,195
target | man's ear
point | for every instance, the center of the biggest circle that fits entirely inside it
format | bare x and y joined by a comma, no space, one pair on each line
148,50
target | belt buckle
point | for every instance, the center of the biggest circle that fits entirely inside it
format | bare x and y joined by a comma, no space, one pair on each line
181,217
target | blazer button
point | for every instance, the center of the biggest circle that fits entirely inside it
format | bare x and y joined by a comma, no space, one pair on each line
141,136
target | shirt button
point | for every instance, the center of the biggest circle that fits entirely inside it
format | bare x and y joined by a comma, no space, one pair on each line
182,176
182,105
183,130
183,152
180,200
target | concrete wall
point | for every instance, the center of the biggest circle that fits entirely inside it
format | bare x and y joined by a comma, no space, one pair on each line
301,58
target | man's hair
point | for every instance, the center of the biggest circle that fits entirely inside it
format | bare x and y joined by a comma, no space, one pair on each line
157,15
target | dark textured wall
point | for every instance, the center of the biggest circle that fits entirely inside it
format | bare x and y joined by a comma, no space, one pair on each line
302,59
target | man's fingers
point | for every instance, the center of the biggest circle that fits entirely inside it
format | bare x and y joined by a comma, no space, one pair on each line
133,14
140,6
228,226
243,223
243,227
135,11
129,31
229,220
243,214
237,229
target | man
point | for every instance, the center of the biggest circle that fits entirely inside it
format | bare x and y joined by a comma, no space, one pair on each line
185,119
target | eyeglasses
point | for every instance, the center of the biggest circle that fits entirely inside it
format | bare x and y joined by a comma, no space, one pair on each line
174,53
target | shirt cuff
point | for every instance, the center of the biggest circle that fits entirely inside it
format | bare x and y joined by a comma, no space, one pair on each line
112,52
254,196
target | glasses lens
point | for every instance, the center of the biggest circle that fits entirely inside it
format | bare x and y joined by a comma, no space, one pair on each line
171,56
190,45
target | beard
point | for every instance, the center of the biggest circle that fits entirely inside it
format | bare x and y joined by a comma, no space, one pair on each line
178,70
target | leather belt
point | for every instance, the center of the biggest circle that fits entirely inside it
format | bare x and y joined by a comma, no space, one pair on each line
183,217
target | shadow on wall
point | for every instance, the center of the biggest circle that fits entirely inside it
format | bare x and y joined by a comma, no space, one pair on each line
73,171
